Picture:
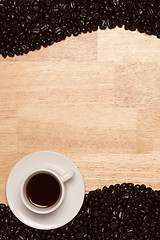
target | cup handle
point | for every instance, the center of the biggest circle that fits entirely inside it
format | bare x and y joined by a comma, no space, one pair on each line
68,175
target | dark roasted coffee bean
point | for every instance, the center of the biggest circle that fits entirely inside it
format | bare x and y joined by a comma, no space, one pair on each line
117,212
39,23
103,25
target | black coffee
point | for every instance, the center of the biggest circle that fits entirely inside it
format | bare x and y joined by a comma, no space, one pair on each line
43,190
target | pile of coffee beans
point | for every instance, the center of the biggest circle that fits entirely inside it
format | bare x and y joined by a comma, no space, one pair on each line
119,212
26,25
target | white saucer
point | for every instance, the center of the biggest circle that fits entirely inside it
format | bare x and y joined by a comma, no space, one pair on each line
72,203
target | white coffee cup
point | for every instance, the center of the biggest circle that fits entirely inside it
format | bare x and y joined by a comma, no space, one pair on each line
61,179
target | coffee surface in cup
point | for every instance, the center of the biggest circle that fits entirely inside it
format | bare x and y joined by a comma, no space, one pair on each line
43,190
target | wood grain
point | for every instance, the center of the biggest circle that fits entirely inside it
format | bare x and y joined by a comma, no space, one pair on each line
94,98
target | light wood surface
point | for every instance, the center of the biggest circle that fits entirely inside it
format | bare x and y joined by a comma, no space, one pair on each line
94,98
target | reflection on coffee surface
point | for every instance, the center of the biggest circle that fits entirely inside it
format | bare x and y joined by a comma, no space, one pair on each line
43,190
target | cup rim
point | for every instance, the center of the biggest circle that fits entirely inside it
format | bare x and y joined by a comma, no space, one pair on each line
28,204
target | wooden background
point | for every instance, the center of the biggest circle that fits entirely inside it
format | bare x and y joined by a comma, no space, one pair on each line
94,98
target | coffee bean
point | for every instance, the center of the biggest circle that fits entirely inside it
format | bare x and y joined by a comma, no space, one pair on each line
36,23
117,212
